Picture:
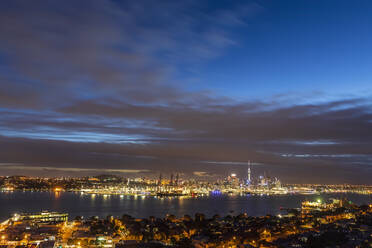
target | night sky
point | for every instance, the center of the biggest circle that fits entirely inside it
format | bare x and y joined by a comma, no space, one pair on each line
194,87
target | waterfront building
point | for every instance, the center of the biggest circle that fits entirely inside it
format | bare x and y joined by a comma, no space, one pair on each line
42,217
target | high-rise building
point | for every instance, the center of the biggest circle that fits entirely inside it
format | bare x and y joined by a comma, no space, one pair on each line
249,180
171,179
177,179
160,179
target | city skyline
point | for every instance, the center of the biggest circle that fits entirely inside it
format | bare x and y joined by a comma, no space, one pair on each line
191,87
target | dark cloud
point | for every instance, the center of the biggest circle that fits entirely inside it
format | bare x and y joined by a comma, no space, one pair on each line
100,49
91,86
290,141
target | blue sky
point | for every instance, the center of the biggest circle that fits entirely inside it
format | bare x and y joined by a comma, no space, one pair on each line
297,46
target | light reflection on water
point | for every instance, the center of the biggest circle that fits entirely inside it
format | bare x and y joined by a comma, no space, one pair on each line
145,206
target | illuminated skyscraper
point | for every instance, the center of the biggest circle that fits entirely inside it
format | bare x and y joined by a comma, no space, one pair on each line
249,173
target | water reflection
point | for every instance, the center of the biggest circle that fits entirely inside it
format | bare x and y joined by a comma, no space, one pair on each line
57,194
144,206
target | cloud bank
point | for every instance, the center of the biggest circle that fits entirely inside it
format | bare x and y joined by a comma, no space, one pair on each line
97,86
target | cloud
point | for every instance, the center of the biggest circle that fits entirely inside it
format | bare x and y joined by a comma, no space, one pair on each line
290,142
56,52
10,166
202,174
89,85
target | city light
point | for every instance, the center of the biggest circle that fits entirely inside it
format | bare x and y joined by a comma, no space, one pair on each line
185,124
57,189
288,227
